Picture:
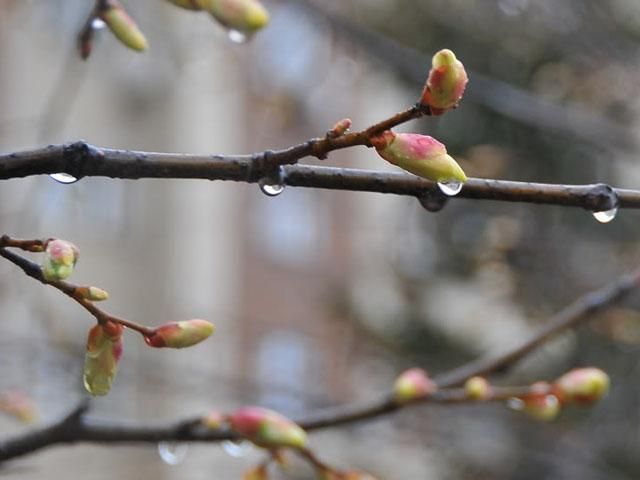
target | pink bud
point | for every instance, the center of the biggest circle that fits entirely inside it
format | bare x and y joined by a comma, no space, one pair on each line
180,334
421,155
213,420
582,386
339,128
60,258
413,384
445,84
540,403
477,388
267,428
104,349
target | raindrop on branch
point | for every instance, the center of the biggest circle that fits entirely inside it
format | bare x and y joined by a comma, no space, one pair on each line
237,448
64,178
605,216
98,24
450,188
236,36
273,184
172,453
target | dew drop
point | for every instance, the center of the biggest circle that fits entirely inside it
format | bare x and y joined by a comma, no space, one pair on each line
515,403
605,216
237,448
450,188
98,24
63,178
172,453
236,36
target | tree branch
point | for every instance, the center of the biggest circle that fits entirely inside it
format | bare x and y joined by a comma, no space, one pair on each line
81,159
79,428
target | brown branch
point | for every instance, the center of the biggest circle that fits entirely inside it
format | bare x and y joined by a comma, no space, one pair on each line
192,430
81,159
34,271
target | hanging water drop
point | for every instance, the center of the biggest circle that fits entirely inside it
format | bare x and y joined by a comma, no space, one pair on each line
236,36
271,189
433,201
450,188
172,453
605,216
98,24
515,403
236,448
273,184
63,178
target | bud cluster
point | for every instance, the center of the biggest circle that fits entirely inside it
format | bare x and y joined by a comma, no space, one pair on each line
60,258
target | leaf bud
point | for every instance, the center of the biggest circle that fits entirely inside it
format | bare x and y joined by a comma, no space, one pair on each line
104,349
340,128
93,294
267,428
123,26
60,258
583,386
446,83
185,333
246,16
421,155
411,385
477,388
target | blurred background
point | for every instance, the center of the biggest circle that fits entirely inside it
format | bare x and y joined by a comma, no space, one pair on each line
320,297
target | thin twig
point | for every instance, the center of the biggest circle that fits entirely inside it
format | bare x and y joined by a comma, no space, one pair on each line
34,271
192,430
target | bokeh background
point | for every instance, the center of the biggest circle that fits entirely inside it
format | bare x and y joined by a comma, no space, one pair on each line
322,297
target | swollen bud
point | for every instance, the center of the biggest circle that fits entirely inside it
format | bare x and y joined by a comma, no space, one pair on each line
213,420
583,386
445,84
340,128
421,155
411,385
247,16
185,333
94,294
266,428
539,404
60,258
477,388
104,349
123,26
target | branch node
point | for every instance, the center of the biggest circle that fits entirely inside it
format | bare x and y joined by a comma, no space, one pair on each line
601,197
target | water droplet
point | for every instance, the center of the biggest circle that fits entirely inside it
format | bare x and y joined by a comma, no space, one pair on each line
237,448
273,184
450,188
63,178
433,201
606,215
515,403
98,24
172,453
236,36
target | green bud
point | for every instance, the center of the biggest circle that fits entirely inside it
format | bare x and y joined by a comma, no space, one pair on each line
123,26
60,258
104,349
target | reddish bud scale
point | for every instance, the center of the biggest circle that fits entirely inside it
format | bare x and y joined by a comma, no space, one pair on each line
266,428
181,334
339,128
413,384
